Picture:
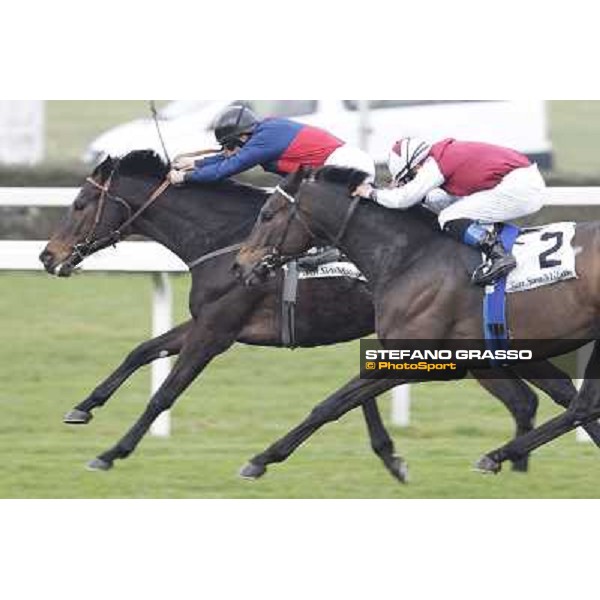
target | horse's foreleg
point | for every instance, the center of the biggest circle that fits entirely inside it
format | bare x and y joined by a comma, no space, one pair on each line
382,443
559,386
582,410
348,397
199,349
521,402
167,344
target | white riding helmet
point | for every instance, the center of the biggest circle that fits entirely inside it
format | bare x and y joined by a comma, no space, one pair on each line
405,155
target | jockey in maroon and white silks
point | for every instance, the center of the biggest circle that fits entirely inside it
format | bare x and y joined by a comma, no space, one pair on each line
472,185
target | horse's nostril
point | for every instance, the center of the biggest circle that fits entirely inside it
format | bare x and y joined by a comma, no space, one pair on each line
45,257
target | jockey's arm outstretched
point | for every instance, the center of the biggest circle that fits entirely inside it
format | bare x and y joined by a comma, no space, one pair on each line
279,146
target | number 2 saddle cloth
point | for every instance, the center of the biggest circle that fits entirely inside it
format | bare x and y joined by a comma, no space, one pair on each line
544,255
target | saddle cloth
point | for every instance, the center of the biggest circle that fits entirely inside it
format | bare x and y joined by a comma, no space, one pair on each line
544,256
332,269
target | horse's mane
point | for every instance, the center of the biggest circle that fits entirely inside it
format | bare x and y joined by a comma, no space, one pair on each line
143,163
147,163
351,178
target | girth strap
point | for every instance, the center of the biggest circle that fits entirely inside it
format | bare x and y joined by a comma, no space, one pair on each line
495,327
288,304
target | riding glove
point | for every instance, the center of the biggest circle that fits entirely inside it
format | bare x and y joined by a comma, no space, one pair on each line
176,177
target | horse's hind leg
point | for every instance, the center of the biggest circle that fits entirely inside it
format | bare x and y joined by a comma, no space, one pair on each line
584,409
382,443
354,393
559,386
520,400
167,344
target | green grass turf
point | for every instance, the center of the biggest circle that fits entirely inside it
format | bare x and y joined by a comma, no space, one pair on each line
61,337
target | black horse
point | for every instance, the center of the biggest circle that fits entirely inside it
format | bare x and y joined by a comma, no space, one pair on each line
196,223
421,289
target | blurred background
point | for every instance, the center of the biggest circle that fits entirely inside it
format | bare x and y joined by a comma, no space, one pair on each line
61,337
73,130
70,128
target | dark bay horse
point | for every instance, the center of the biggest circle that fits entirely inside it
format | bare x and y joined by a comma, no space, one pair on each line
194,222
421,290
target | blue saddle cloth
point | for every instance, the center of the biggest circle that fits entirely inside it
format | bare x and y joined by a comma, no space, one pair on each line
495,328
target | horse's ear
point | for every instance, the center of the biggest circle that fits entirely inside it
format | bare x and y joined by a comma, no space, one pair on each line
104,169
297,178
306,172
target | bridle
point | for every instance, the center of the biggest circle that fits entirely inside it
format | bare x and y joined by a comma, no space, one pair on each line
275,258
90,245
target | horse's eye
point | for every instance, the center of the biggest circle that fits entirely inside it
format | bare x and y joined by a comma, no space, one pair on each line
79,204
267,215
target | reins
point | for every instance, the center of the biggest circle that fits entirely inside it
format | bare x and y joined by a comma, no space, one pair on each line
347,218
154,196
214,254
275,257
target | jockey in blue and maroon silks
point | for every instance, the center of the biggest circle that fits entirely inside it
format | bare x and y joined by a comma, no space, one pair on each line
280,146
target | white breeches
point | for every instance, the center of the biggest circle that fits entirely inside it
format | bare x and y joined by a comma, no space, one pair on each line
520,193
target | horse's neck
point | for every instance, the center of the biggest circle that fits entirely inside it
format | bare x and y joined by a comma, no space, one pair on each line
378,239
193,222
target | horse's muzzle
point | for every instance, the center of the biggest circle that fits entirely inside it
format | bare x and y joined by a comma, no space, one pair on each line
59,268
47,259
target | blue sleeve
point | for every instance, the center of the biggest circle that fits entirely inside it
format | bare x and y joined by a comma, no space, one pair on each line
258,150
214,158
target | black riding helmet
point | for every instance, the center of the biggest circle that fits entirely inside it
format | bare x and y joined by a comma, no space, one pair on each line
232,123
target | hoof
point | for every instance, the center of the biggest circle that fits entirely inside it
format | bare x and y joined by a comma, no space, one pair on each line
252,471
99,465
398,467
487,466
520,465
77,417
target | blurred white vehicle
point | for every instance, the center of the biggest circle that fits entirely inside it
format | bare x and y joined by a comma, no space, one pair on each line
187,125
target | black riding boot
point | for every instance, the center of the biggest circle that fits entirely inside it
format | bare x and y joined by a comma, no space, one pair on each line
498,262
